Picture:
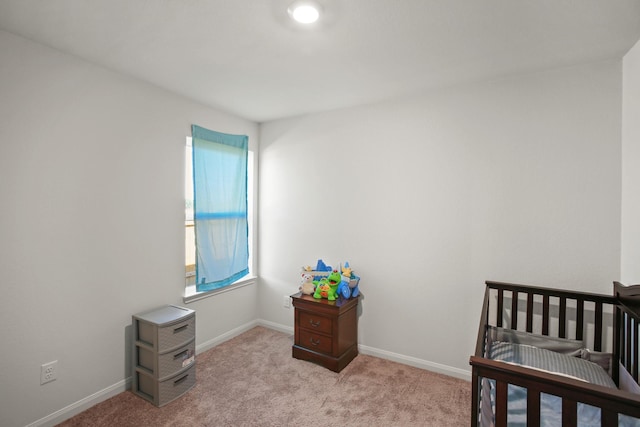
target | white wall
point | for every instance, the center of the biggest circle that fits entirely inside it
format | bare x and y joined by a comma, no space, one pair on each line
92,223
429,196
630,171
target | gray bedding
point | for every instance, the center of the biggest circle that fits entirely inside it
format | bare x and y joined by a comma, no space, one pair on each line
550,406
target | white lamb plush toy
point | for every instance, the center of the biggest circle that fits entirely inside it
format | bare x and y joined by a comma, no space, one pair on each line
306,284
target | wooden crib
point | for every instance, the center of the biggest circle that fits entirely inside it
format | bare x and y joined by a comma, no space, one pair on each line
602,329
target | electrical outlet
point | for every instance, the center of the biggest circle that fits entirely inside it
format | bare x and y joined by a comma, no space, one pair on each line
48,372
286,302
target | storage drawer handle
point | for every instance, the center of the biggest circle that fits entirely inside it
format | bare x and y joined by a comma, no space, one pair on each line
314,342
181,354
180,380
180,329
315,323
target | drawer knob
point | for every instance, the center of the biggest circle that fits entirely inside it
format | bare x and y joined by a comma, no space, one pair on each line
314,342
314,323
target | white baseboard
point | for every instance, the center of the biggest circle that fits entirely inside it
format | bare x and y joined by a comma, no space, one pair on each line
415,362
82,404
226,336
383,354
276,326
89,401
241,329
121,386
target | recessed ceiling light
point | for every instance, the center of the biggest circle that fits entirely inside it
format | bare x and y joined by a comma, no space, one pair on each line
304,12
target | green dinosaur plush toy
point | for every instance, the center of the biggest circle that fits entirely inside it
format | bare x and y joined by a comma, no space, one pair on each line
328,286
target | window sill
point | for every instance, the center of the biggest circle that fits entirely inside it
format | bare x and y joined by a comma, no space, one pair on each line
190,294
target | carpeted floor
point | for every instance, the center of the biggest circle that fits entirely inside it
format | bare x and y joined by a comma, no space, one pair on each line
252,380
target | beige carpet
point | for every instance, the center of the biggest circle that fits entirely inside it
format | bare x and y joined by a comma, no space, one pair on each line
252,380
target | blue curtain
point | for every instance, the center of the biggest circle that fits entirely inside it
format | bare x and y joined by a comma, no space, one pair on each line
220,207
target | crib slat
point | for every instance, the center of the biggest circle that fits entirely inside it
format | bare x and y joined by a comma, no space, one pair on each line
533,407
529,312
634,342
562,321
597,345
618,321
579,319
608,418
475,396
628,347
500,307
569,412
501,404
514,310
545,315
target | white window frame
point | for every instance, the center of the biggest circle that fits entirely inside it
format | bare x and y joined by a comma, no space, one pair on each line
190,293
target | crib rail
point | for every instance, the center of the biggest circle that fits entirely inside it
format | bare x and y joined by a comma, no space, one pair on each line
610,401
580,299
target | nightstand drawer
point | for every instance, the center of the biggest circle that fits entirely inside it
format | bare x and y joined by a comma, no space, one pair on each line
316,342
314,322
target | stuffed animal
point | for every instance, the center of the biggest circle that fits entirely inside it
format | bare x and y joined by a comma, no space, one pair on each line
306,284
328,286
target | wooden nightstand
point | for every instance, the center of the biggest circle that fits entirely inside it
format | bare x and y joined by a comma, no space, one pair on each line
326,332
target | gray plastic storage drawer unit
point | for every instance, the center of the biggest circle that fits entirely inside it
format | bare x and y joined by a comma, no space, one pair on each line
164,353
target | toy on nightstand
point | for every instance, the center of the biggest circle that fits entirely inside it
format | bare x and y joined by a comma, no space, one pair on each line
320,272
321,266
349,283
346,270
306,284
354,285
327,287
344,290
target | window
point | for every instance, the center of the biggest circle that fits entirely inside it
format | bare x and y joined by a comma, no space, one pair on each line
218,212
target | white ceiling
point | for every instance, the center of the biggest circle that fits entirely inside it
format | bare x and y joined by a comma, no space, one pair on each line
246,57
